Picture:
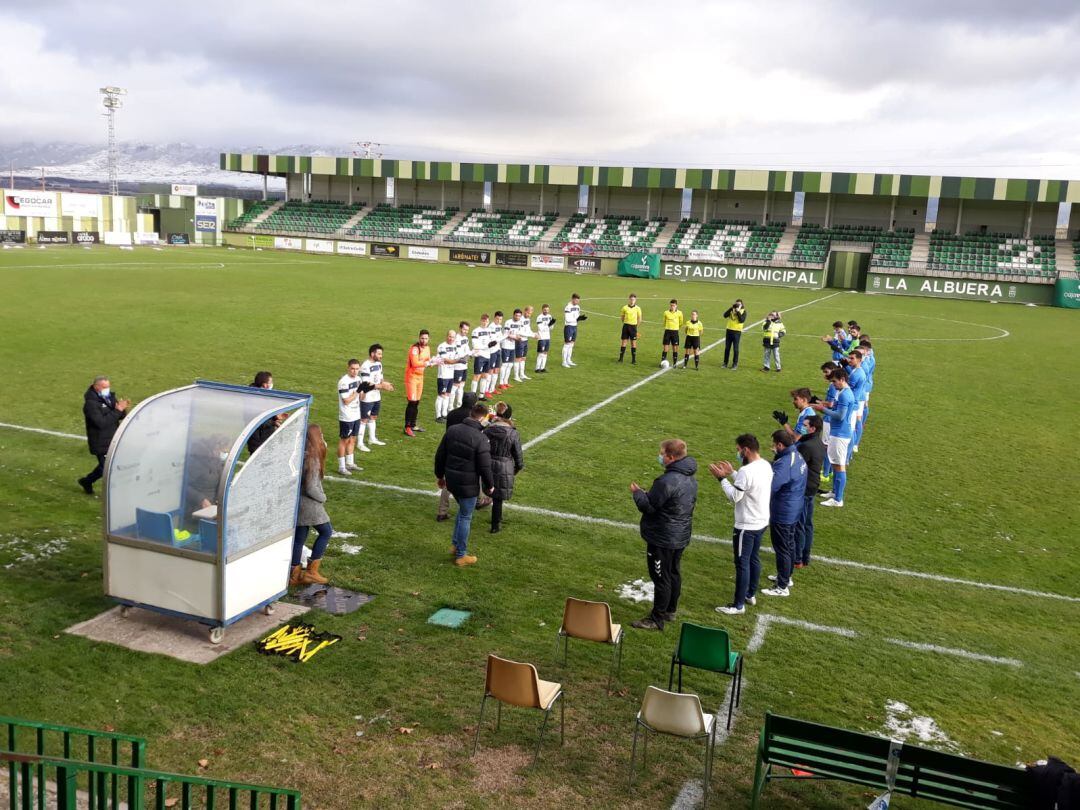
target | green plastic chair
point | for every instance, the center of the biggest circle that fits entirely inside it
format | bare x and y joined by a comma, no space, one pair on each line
708,648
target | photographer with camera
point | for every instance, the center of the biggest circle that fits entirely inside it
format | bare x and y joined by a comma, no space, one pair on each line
736,320
772,330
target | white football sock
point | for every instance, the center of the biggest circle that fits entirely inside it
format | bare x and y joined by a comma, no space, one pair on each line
371,431
460,394
349,459
475,382
341,463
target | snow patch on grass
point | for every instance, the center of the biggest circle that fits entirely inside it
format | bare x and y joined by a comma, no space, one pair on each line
637,591
35,548
901,723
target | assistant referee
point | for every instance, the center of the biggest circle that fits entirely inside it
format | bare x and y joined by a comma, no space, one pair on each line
673,322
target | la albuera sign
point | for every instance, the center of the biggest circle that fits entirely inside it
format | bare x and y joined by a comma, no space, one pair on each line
733,274
969,289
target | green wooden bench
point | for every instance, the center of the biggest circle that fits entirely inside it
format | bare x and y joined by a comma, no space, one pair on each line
864,759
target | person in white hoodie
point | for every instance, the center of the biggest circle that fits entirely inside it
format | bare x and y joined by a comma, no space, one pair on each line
750,491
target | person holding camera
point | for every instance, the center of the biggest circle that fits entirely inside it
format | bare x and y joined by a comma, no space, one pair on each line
736,320
772,330
103,413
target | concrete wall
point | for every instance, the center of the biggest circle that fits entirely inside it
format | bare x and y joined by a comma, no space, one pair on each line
855,209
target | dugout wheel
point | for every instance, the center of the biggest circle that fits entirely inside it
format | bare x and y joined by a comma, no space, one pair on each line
217,635
268,610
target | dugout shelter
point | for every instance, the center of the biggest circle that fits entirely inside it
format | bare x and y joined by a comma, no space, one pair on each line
192,529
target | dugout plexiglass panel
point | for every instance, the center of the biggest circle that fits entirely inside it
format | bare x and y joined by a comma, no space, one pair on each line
184,501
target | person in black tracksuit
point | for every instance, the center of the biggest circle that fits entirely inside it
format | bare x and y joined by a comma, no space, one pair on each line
812,449
463,466
667,512
103,413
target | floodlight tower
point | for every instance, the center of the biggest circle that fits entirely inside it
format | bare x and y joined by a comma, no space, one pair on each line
113,102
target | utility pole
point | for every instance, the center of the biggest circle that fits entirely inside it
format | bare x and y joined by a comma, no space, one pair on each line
113,102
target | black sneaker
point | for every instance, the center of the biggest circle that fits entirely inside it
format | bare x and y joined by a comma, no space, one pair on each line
87,487
648,623
496,529
440,419
668,617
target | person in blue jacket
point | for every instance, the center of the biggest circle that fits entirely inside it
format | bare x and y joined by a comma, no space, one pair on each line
785,508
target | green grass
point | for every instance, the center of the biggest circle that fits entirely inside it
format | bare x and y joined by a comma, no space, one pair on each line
967,470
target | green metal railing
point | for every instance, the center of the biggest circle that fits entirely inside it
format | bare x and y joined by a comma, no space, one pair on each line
69,743
139,788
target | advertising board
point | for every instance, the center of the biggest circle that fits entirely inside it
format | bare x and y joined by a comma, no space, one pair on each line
9,237
541,262
320,245
179,239
512,259
184,190
471,256
207,206
427,254
80,205
389,251
116,238
352,248
970,289
288,243
205,224
585,264
30,203
85,237
53,237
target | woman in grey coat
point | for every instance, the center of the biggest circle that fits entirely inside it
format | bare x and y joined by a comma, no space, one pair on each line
506,459
312,513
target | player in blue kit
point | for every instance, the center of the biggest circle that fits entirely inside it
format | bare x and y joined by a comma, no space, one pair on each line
841,427
860,387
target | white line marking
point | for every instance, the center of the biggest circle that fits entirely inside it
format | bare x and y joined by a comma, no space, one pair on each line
704,538
42,430
573,420
690,796
993,659
761,627
112,264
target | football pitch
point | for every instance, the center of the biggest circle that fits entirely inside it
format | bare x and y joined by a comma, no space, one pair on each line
943,599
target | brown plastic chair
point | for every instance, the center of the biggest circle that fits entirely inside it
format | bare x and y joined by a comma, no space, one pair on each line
519,684
591,621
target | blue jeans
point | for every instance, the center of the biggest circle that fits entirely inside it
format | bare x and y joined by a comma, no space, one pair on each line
323,532
746,543
773,353
804,531
783,543
462,524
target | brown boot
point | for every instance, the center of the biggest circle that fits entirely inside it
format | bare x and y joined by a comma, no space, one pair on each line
296,577
312,575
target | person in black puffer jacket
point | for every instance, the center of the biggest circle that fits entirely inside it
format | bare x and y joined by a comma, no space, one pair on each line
506,459
667,513
463,466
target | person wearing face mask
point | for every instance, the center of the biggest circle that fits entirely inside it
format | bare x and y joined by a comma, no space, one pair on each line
667,514
750,492
103,413
785,508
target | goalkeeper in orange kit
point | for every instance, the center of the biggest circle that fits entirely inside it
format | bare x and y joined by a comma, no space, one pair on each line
419,359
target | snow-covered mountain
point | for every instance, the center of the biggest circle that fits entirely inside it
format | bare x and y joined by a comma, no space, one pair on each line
143,162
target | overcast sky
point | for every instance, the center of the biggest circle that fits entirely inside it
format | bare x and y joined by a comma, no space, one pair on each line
983,87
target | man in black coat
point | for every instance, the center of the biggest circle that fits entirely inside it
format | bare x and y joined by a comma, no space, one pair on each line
455,417
463,466
102,412
667,513
812,449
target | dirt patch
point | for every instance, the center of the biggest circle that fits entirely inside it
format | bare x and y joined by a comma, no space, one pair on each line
497,768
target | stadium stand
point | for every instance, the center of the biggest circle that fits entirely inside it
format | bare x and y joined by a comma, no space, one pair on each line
890,248
416,222
317,216
245,218
612,232
727,237
1076,255
502,227
993,254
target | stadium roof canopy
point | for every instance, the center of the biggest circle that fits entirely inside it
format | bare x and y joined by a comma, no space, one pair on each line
886,185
